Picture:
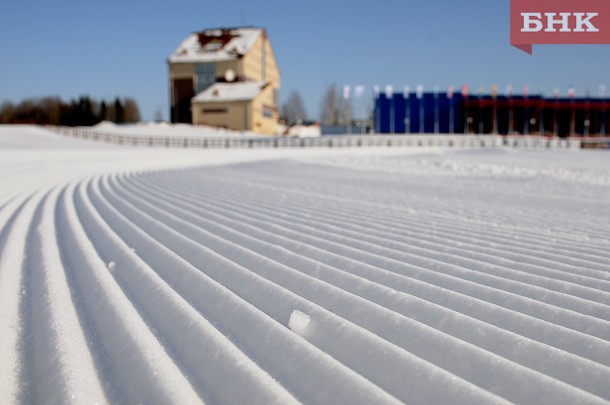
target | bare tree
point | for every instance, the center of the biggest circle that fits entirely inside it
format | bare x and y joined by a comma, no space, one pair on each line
131,110
293,110
334,109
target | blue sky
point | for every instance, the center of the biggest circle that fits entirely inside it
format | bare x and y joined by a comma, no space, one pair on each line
119,48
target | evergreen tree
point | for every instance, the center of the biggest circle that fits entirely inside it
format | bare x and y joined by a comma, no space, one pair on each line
119,111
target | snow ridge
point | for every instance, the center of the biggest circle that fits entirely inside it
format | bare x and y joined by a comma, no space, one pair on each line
291,281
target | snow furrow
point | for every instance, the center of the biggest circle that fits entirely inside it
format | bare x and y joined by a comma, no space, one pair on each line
443,257
134,275
341,255
480,249
523,350
141,369
13,248
268,342
420,231
597,351
59,367
278,303
169,312
243,185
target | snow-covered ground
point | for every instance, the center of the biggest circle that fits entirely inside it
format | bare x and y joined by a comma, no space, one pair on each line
423,275
164,129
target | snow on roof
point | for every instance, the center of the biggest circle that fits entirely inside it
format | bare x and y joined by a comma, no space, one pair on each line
216,45
224,92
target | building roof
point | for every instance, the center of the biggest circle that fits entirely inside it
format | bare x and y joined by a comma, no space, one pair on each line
227,92
216,45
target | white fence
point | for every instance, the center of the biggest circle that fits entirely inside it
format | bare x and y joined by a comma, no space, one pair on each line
342,141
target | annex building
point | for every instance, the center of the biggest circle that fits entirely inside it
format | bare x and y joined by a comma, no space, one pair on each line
444,113
226,78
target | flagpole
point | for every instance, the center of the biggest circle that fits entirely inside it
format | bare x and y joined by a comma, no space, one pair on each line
526,128
389,94
451,110
571,93
509,94
541,125
346,97
587,123
602,94
494,96
481,124
407,96
376,94
467,119
436,111
420,97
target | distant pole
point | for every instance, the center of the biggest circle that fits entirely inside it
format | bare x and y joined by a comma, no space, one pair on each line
359,95
348,118
602,95
587,123
389,93
392,115
555,115
436,110
494,97
526,128
451,110
467,118
541,126
509,95
571,94
481,125
407,95
420,97
376,92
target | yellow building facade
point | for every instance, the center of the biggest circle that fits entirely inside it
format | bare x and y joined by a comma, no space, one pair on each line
226,78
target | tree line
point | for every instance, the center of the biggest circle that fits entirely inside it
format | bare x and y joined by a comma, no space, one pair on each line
334,109
83,111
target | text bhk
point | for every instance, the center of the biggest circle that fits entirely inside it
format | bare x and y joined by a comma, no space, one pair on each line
559,22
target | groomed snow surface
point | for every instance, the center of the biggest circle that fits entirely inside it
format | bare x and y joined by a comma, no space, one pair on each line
133,275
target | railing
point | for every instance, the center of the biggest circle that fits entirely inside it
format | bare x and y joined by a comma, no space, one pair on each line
343,141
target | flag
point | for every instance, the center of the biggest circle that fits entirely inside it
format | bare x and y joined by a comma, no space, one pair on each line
346,92
359,91
465,90
389,91
556,92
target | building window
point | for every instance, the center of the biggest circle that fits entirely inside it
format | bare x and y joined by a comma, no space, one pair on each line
205,76
214,110
267,112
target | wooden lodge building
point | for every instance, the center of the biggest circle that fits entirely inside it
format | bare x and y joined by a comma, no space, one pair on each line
226,78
